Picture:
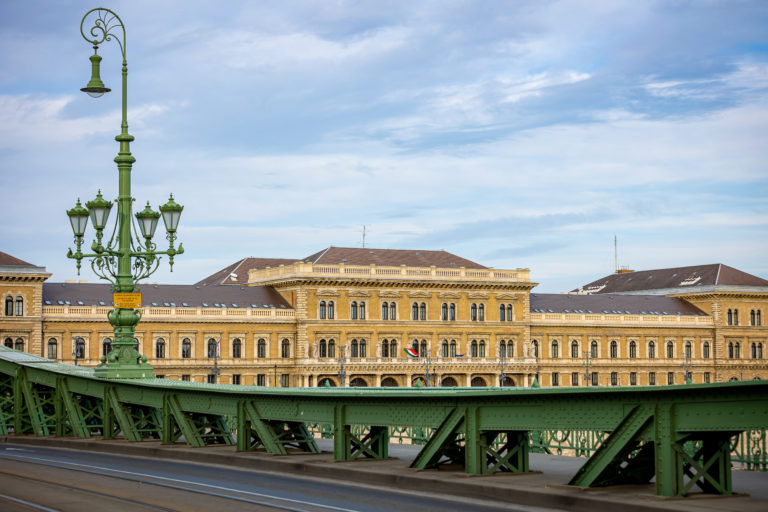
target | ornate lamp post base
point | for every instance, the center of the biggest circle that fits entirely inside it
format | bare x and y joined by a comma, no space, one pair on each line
124,371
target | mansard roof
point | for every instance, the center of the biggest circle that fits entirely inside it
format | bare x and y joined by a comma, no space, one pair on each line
616,304
237,273
674,280
165,295
389,257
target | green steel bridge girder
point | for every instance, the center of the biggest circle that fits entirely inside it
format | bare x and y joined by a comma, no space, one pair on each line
651,429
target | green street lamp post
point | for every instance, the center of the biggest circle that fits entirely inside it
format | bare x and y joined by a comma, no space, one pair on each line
125,258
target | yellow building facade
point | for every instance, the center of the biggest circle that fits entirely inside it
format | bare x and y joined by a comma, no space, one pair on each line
374,317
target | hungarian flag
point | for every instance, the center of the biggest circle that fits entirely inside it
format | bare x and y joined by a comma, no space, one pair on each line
410,352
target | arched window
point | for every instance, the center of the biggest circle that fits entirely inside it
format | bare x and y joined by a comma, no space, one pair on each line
502,311
444,311
186,348
363,347
757,317
753,354
213,348
384,311
688,350
474,348
415,311
53,349
106,346
535,348
353,310
651,350
614,349
323,349
481,312
393,348
285,348
392,311
322,310
759,350
482,348
331,348
9,306
705,350
593,349
422,311
453,348
384,348
423,351
752,317
8,342
502,349
555,349
444,346
730,350
19,345
737,350
452,311
79,348
160,348
354,349
632,349
237,348
330,310
415,346
670,350
473,312
261,348
19,306
735,317
361,310
574,348
730,317
509,312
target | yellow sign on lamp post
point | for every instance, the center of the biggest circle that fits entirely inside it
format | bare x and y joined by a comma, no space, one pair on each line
126,300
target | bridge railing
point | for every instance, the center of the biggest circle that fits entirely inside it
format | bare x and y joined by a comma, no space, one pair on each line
681,435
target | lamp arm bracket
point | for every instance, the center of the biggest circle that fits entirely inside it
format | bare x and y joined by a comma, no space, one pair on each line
105,28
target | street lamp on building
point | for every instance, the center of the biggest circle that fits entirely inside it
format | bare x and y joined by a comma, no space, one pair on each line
342,374
125,257
587,365
215,370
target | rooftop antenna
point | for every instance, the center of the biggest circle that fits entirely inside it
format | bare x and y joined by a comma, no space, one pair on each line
615,254
364,233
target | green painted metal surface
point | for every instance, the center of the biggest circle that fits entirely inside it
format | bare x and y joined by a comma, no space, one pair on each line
681,435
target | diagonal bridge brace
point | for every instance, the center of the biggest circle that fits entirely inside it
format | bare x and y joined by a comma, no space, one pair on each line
253,432
198,429
621,459
347,445
709,467
460,440
136,422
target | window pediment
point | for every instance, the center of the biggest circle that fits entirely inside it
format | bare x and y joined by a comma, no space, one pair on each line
449,295
478,295
327,292
507,296
358,293
389,295
420,295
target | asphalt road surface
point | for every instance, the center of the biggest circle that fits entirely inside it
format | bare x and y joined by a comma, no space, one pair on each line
45,479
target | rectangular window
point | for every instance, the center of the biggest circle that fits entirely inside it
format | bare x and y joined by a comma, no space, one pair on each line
651,378
211,379
185,378
261,379
159,376
706,377
235,379
595,379
555,379
633,378
575,379
284,380
614,378
670,378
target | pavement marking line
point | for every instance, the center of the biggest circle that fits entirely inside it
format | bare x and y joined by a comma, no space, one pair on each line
28,503
175,480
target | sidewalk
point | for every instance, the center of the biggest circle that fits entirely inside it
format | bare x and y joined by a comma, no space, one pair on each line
544,487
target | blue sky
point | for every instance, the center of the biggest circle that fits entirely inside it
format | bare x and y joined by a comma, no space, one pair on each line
513,133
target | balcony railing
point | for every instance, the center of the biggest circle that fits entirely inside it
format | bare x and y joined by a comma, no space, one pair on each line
520,275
